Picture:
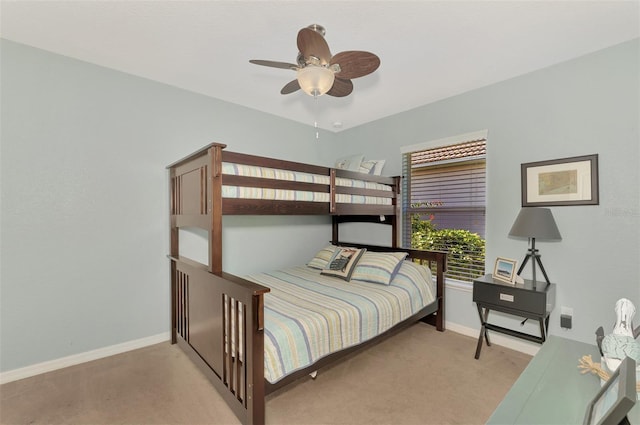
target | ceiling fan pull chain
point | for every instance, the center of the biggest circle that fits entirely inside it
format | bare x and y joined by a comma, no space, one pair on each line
315,123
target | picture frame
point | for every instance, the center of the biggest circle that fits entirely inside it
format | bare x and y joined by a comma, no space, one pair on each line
504,269
560,182
615,398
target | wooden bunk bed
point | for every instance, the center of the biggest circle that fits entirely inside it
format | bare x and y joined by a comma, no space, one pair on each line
217,318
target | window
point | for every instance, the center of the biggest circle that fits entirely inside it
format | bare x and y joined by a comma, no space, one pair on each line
444,201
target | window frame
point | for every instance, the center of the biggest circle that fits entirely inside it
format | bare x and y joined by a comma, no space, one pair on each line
406,207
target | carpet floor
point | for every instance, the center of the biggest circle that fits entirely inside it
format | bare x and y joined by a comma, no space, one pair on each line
418,376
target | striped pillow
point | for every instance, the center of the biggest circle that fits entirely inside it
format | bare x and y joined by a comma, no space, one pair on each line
322,257
378,267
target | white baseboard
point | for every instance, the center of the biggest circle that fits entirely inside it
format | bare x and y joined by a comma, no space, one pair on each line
504,341
48,366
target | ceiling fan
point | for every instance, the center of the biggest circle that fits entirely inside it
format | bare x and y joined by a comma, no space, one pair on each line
319,72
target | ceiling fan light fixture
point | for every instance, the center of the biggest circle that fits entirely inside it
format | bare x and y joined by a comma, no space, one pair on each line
317,68
315,80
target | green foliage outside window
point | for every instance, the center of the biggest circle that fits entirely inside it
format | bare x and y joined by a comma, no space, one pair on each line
466,250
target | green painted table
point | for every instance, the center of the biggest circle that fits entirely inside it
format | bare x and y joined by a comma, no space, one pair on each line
551,390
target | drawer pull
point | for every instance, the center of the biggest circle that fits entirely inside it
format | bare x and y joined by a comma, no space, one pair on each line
506,297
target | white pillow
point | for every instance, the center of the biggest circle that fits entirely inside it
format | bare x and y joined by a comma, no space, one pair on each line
372,166
351,163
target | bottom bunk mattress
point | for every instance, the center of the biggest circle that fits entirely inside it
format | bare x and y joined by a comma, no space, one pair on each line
309,315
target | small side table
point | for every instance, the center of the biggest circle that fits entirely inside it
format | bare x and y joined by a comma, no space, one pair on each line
522,300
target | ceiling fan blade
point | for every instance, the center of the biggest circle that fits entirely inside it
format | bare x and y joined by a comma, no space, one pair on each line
354,64
341,88
290,87
312,43
274,64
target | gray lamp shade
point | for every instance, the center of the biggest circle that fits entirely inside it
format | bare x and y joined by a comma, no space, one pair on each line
535,223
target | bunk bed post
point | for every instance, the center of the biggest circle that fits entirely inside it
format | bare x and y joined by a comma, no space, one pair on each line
397,222
332,190
255,376
174,250
214,207
441,268
394,231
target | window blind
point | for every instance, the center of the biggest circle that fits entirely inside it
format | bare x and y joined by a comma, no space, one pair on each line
447,186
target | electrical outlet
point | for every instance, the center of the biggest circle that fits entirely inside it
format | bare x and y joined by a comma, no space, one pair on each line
565,321
566,317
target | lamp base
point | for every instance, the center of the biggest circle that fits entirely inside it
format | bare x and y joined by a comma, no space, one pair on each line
533,253
535,258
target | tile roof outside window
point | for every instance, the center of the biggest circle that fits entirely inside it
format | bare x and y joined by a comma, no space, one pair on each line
447,153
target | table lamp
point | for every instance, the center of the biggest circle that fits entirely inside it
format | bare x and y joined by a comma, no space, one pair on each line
535,223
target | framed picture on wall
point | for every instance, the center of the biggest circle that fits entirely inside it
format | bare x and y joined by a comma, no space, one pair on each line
566,181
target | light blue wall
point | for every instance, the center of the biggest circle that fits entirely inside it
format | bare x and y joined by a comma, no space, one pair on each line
84,233
84,236
585,106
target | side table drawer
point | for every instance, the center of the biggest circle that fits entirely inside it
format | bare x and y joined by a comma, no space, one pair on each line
514,298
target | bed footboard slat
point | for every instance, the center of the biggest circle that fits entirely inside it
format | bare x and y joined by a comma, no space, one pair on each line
239,358
234,352
182,298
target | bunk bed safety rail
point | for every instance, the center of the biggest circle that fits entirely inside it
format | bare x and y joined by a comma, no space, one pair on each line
287,187
201,186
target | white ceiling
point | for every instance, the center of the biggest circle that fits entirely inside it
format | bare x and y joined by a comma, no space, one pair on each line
429,50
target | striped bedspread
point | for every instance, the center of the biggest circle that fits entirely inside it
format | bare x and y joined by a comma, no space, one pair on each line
309,315
297,195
